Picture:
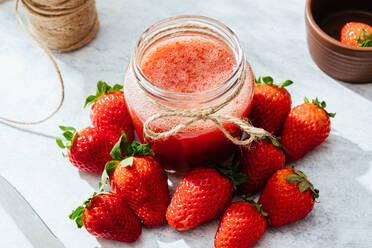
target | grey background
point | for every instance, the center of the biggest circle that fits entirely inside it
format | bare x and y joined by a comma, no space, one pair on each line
273,36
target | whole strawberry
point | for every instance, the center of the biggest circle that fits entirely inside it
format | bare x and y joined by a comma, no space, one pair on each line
306,127
288,197
241,226
139,179
109,110
271,104
202,195
89,149
107,216
356,34
259,162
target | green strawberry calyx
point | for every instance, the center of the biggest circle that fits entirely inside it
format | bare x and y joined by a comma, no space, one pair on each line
366,40
69,133
123,154
303,183
256,205
275,143
233,174
102,88
320,104
270,81
77,214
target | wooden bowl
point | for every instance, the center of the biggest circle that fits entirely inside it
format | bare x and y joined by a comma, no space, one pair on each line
324,20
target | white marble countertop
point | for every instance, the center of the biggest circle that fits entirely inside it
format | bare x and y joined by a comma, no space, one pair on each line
273,35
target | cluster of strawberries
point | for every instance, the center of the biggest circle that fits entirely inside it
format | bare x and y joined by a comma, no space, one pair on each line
139,183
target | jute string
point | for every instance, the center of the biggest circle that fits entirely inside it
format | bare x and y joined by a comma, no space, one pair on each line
61,25
208,113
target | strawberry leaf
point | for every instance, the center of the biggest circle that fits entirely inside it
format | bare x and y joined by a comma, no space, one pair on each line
321,105
77,215
270,81
303,186
276,143
69,133
90,99
256,206
105,177
116,151
63,128
366,41
123,153
123,149
236,177
303,183
60,143
125,146
102,88
286,83
117,87
141,149
295,179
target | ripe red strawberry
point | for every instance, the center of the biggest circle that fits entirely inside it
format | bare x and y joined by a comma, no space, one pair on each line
107,216
288,197
356,34
241,226
109,111
139,179
201,196
271,104
88,149
259,162
306,127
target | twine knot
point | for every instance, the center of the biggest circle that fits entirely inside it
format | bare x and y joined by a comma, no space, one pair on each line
207,113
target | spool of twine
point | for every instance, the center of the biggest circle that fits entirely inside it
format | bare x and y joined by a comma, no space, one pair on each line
64,25
60,25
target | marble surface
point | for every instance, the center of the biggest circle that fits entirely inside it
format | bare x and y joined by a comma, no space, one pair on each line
273,36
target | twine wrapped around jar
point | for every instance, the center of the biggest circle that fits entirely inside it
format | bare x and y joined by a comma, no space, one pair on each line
208,113
64,25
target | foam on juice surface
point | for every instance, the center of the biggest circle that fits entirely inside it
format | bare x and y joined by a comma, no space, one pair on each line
188,63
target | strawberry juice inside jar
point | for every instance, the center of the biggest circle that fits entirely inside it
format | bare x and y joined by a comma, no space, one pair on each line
188,62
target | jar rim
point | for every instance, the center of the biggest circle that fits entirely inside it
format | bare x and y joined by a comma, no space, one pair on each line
200,96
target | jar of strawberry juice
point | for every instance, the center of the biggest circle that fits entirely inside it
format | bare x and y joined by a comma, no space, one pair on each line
188,62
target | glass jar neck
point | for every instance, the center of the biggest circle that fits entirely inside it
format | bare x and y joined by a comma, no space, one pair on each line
196,25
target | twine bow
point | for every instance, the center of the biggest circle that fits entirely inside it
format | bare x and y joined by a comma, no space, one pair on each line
208,113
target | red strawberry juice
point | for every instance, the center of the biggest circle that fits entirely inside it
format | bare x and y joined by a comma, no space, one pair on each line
188,63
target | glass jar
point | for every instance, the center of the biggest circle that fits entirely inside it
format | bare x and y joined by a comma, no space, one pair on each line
201,143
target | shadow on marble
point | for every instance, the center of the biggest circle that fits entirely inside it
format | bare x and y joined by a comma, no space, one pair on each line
91,178
19,128
363,89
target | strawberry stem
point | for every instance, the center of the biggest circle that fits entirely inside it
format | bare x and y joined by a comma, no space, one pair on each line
102,88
